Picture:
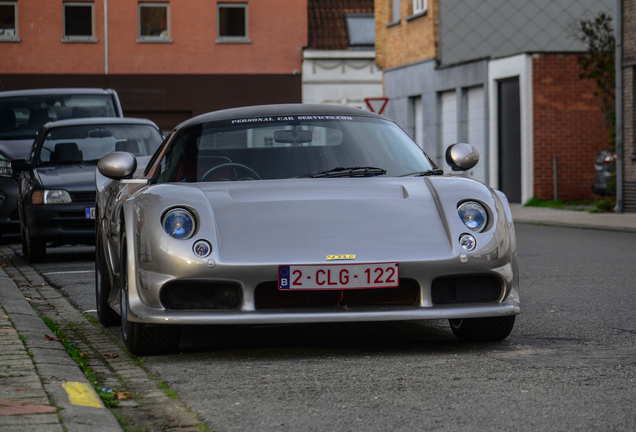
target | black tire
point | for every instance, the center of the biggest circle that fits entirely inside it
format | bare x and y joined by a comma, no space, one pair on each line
25,247
143,339
107,316
491,329
36,249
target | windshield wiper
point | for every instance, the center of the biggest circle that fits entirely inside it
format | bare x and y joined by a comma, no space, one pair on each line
346,172
436,171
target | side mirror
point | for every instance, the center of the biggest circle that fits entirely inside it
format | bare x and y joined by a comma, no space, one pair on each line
117,165
461,156
19,165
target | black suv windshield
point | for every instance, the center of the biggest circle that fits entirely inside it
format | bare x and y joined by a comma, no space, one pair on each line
22,117
295,146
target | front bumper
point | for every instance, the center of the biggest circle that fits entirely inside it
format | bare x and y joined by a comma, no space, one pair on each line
145,305
9,217
61,222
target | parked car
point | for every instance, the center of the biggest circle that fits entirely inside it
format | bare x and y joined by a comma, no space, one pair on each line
22,114
604,173
56,192
287,214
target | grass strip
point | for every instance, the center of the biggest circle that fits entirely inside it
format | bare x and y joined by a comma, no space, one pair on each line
109,399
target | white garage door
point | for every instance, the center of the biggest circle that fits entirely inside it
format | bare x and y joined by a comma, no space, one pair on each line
418,121
476,130
448,120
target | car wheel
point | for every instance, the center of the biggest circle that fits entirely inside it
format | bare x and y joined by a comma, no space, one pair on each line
107,316
491,329
36,249
143,339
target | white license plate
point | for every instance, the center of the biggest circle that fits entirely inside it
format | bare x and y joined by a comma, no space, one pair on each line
338,276
89,212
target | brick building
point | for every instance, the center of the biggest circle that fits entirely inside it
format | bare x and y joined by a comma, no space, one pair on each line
629,113
168,60
502,76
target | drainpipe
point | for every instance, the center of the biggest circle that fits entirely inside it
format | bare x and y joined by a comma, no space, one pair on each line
619,106
106,37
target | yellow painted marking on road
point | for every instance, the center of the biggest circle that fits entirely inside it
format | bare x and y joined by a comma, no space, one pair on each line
82,394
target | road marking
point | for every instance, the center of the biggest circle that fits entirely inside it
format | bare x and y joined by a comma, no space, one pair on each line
82,394
69,272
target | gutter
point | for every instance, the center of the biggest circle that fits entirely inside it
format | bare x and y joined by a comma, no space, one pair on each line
619,106
105,37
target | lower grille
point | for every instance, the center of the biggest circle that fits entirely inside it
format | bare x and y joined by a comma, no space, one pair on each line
466,289
200,296
268,296
84,196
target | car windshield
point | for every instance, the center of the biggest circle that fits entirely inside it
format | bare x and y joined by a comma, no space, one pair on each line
22,117
291,147
76,144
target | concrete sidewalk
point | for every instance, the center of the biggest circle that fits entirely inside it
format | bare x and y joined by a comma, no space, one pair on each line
625,222
41,387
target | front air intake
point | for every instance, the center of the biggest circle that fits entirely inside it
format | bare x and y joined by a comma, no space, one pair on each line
466,289
268,296
200,296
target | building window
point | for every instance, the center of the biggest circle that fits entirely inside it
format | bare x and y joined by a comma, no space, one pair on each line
395,12
360,30
232,22
78,21
8,20
154,22
419,6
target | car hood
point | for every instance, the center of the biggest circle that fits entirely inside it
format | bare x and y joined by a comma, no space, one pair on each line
15,149
305,220
80,177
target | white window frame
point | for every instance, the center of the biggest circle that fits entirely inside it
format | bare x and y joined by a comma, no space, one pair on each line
232,39
153,38
76,38
419,6
14,37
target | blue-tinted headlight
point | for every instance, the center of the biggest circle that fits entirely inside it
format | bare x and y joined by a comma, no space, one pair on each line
179,224
473,215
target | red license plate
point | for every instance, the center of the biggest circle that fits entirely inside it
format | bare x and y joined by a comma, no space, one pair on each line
338,276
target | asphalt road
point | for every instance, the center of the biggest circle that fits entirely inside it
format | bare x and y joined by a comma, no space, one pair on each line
570,363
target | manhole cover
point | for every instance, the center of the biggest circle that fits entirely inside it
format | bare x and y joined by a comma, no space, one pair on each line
555,353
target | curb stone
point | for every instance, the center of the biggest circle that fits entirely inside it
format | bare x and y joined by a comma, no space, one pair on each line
150,408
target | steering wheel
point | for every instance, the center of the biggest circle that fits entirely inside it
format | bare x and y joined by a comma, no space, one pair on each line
212,170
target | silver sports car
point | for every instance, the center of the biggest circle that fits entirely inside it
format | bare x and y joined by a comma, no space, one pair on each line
294,214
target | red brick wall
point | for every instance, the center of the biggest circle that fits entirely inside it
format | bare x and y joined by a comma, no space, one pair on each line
629,111
276,44
568,122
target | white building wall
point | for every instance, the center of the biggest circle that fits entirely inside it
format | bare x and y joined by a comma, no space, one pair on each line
521,66
343,77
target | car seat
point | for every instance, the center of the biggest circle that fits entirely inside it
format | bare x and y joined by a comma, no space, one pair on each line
7,119
67,152
129,146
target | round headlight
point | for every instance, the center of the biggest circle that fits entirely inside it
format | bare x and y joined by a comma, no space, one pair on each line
179,224
473,215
